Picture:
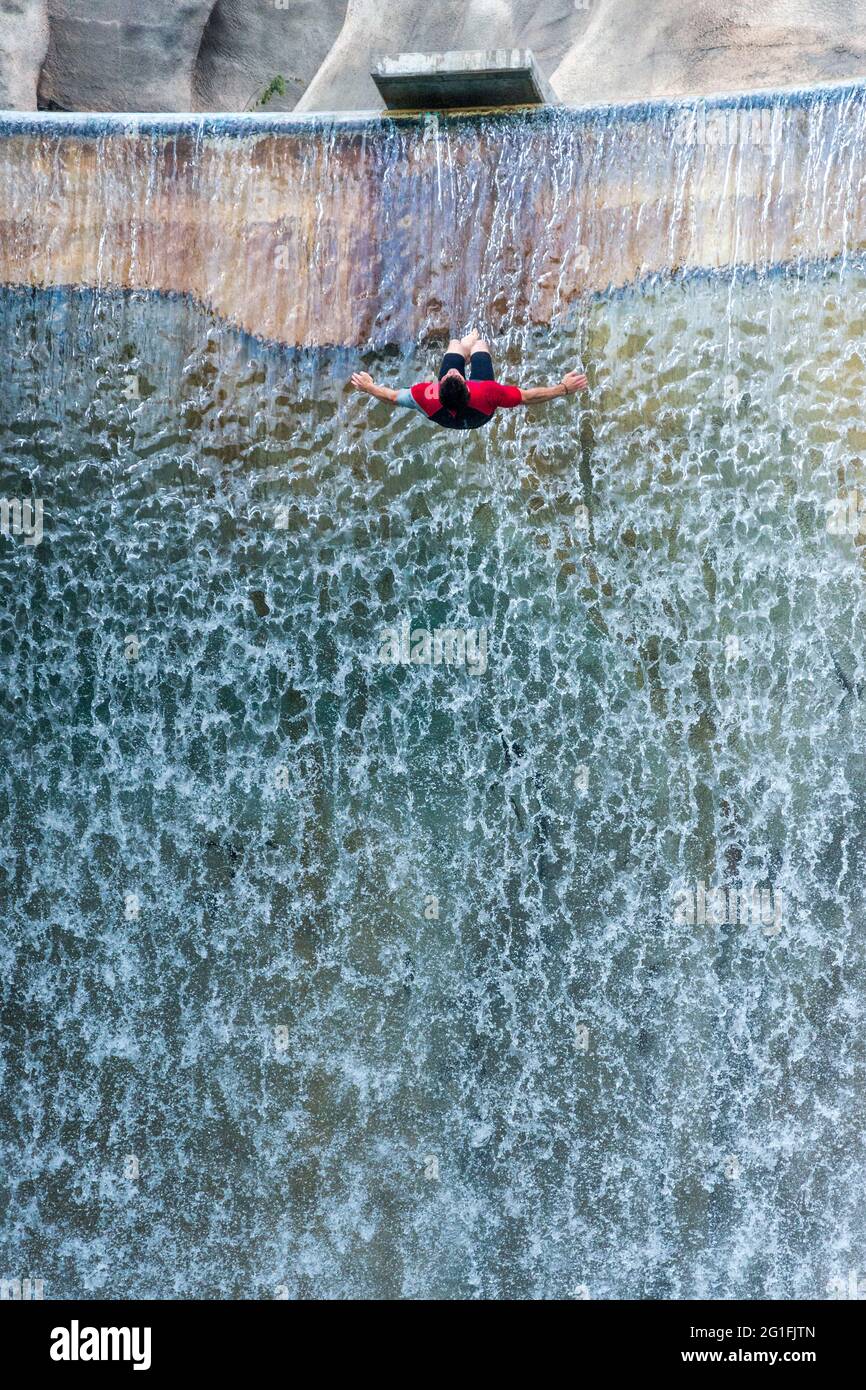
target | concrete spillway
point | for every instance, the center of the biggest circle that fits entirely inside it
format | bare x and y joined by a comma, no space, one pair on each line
355,231
326,973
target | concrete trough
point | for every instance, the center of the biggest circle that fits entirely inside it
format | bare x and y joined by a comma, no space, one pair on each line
461,80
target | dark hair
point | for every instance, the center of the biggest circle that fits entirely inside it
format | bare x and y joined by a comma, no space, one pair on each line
454,394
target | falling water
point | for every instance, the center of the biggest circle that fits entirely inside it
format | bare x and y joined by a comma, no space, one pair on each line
328,977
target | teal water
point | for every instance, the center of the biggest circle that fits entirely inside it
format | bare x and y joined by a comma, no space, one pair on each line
329,978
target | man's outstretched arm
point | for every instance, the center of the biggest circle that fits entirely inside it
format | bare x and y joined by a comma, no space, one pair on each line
571,383
364,382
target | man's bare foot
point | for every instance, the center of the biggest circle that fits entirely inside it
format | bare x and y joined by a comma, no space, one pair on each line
468,343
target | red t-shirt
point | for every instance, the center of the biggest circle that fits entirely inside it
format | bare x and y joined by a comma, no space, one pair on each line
484,398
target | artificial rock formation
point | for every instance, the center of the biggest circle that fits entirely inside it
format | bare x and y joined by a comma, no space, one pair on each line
23,44
181,55
122,55
631,51
247,42
370,29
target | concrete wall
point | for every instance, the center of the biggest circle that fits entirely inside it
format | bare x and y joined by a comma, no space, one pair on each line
176,55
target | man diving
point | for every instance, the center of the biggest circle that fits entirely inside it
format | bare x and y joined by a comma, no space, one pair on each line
460,402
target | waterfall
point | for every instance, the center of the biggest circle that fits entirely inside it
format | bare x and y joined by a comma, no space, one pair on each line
372,231
325,975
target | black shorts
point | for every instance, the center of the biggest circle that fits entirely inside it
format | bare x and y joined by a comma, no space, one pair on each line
481,367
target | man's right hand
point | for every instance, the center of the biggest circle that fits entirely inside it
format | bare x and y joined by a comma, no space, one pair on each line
364,382
574,381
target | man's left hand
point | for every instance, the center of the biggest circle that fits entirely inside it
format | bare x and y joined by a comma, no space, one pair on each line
575,381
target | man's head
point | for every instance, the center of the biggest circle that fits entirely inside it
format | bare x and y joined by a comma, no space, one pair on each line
453,391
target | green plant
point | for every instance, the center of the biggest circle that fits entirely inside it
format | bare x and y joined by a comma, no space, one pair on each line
276,87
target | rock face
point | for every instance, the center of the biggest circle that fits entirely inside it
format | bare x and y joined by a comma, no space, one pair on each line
247,42
630,52
23,42
122,55
180,55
